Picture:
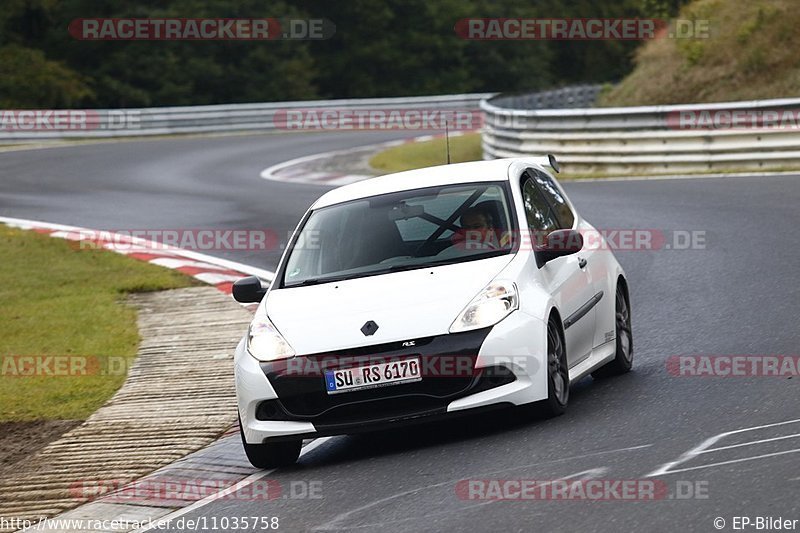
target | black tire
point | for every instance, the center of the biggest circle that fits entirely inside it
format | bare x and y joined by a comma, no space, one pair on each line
623,360
271,454
557,375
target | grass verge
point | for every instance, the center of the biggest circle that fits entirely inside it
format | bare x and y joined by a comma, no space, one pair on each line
427,154
60,301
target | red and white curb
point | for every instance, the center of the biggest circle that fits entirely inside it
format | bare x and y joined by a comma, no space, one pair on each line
221,273
297,170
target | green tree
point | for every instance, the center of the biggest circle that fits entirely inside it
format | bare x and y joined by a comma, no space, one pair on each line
380,48
29,80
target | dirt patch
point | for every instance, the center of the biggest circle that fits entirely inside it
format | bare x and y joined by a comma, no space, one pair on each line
20,439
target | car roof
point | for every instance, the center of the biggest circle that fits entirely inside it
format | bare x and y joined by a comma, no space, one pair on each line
476,171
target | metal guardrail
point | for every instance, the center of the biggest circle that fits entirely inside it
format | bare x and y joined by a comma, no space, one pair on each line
106,123
760,134
566,97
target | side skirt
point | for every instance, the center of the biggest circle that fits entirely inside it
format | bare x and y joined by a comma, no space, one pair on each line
600,355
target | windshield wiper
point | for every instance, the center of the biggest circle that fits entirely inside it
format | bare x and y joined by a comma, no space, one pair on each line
442,262
314,281
412,266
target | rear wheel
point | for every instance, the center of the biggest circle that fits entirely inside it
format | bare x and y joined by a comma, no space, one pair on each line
271,454
623,361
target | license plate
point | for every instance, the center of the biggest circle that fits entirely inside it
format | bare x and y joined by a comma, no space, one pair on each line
373,376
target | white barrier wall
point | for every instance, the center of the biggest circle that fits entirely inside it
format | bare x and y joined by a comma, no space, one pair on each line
762,134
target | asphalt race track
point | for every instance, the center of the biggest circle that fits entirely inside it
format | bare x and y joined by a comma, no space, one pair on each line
179,183
737,294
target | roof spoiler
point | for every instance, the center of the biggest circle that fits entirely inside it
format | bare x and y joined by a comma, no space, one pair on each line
553,163
549,161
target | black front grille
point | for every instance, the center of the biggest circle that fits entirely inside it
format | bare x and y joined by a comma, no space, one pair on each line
448,372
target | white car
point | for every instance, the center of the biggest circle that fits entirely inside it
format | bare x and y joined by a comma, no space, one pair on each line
426,294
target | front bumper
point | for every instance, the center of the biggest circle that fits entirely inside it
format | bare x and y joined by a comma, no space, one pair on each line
501,365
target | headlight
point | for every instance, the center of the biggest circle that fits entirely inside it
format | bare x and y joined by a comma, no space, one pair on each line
490,306
265,342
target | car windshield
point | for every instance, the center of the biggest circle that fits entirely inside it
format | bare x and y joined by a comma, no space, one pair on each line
402,231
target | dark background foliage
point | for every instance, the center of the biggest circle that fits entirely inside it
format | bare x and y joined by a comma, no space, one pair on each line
380,48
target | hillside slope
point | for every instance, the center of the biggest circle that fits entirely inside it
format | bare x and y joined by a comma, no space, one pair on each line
753,52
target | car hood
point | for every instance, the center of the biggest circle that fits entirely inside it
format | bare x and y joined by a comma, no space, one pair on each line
405,305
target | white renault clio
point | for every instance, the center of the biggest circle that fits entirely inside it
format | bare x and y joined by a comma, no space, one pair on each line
424,294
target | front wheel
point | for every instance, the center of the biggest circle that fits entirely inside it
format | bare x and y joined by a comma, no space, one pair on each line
271,454
623,361
557,375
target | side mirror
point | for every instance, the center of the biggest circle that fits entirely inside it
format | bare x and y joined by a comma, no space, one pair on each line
248,290
559,243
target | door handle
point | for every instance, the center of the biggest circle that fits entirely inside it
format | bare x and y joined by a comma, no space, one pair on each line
581,262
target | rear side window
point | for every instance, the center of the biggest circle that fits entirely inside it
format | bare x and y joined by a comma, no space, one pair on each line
553,195
537,210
